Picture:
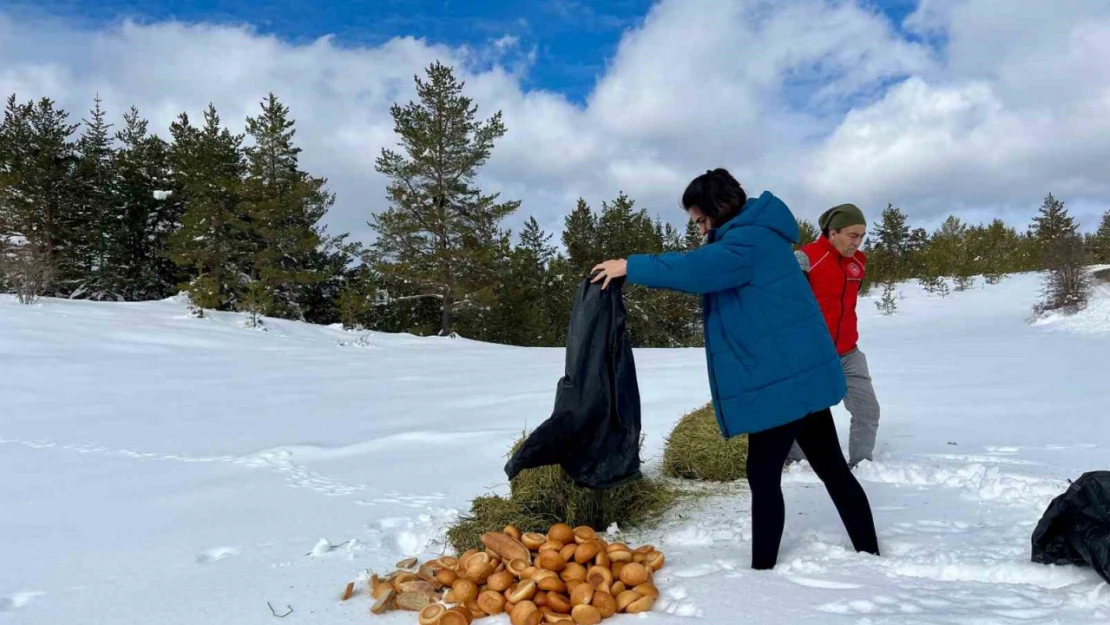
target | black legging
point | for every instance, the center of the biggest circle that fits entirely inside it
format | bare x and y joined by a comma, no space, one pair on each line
767,451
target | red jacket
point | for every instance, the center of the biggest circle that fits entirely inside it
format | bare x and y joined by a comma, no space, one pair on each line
836,280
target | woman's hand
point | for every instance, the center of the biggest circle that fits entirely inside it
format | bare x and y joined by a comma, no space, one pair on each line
610,269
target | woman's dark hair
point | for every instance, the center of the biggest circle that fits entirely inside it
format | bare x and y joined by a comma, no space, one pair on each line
717,194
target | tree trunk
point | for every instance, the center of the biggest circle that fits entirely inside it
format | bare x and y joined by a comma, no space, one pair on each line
448,283
448,313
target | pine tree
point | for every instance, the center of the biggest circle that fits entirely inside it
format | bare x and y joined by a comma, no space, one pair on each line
1067,285
1031,255
38,193
933,263
672,240
934,283
284,206
355,298
528,292
914,261
581,238
337,260
138,239
693,313
622,231
439,229
1053,220
888,303
681,311
564,279
1000,250
975,255
1100,244
93,222
25,266
808,233
947,254
693,238
893,231
673,317
14,248
535,244
56,161
657,317
213,243
1060,246
888,249
1050,225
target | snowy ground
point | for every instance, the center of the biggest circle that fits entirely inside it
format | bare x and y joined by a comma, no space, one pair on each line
164,469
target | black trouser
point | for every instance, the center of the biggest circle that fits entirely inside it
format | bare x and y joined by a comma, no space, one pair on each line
767,451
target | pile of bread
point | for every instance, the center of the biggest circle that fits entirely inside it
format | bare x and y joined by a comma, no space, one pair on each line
570,576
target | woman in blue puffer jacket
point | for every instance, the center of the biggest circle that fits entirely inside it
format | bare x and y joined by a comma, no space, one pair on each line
774,372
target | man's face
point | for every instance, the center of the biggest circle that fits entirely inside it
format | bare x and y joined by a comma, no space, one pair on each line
847,240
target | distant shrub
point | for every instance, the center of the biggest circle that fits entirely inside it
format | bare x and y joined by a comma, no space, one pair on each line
935,285
25,270
888,303
1067,285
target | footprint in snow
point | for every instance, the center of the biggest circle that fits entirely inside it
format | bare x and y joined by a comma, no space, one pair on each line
1028,614
675,602
1066,447
989,458
825,584
324,547
216,554
929,527
934,603
18,600
689,536
951,606
700,570
876,606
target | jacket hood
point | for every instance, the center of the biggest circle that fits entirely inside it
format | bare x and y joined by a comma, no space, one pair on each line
765,211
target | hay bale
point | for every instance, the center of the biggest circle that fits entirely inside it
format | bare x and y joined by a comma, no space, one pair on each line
490,514
696,450
548,493
541,497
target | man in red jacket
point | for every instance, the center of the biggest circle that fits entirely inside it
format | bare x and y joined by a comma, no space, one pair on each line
835,268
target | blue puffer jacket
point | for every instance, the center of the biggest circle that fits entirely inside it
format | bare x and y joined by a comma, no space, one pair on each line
771,359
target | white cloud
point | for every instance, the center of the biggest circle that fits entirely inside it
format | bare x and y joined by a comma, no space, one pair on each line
820,101
1020,109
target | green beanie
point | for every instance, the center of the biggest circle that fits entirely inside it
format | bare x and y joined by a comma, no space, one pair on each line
841,216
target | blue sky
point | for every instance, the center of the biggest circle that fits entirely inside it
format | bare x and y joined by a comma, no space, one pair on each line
572,39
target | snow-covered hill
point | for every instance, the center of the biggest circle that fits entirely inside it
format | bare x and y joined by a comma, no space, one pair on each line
163,469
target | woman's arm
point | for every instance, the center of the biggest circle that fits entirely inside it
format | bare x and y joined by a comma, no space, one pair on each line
722,265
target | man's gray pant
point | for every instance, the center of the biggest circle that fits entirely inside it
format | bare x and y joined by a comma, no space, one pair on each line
863,406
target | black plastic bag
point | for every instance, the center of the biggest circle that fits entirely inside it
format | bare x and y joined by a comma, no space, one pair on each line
594,430
1075,528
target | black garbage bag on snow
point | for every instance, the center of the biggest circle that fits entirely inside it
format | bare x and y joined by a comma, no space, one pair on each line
1075,528
594,430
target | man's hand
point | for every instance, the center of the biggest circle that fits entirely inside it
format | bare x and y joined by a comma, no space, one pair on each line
610,269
